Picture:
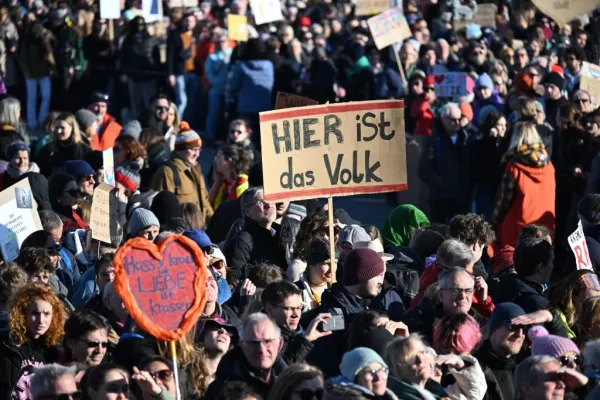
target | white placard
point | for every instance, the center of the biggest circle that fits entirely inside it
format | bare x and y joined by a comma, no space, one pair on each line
266,11
108,163
110,9
580,249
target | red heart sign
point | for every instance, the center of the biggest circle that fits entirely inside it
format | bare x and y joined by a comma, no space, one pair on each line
164,287
439,78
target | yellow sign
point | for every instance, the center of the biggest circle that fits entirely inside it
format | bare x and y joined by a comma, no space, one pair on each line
237,27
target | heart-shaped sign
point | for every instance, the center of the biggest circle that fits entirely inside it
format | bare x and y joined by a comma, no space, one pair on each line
164,287
439,79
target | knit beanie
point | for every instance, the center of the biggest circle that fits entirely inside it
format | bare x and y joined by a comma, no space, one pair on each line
502,260
361,265
128,175
140,219
297,210
544,344
502,315
356,360
187,138
485,81
85,118
79,169
165,206
13,148
555,79
466,110
524,83
132,128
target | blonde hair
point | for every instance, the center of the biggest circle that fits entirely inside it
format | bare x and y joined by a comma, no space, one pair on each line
69,119
526,108
524,133
397,352
589,314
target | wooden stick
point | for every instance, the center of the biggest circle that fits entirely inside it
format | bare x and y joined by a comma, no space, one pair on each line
175,369
399,65
331,238
111,29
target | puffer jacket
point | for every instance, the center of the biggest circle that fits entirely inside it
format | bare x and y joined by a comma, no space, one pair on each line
252,83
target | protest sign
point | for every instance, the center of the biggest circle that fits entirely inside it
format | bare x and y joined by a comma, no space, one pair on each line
564,11
18,218
371,7
105,213
388,28
483,15
266,11
451,84
286,100
108,164
590,81
163,287
110,9
580,249
237,27
182,3
333,150
152,10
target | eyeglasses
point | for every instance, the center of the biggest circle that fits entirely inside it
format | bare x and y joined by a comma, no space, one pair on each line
371,374
309,394
291,309
257,343
97,345
72,192
584,101
53,250
565,361
162,375
63,396
260,203
457,291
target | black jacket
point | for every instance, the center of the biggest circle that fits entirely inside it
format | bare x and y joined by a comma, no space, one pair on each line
499,373
592,238
402,273
552,108
234,367
252,246
53,155
446,167
513,288
296,347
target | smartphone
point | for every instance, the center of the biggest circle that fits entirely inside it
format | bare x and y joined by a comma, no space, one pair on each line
334,323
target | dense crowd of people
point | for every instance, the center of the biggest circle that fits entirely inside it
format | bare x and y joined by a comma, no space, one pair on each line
469,290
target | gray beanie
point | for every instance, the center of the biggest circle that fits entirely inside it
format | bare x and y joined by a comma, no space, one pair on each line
356,360
133,128
85,118
296,209
140,219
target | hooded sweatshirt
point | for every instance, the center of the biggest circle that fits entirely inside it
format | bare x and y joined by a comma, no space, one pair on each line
252,82
526,195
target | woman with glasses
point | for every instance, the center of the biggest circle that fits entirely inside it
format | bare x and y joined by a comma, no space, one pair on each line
66,144
563,349
363,369
64,193
161,370
298,382
36,322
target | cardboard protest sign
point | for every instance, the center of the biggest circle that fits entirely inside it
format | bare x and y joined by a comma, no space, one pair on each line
451,84
388,28
286,100
182,3
371,7
590,81
483,15
237,27
266,11
580,249
18,218
163,287
564,11
333,150
152,10
110,9
108,163
105,213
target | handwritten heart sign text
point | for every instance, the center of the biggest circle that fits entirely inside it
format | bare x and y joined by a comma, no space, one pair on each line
163,287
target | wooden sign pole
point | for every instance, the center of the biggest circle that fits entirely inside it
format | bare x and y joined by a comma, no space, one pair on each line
331,238
399,65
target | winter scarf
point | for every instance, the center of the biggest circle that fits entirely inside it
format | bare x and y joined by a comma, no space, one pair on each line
16,174
401,223
358,66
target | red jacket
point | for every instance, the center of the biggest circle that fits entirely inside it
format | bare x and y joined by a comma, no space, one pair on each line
431,275
421,112
109,132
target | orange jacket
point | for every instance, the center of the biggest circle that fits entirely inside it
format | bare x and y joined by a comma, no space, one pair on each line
109,132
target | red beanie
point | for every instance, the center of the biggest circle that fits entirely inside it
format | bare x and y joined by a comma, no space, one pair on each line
502,260
361,265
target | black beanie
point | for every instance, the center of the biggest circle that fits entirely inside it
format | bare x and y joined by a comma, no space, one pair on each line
555,79
165,206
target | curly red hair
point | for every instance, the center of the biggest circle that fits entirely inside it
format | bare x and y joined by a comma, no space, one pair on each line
20,304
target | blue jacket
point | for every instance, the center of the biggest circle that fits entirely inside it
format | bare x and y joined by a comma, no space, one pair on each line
252,83
216,70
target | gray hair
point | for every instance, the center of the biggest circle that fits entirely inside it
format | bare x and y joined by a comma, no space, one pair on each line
9,107
395,352
446,276
453,253
258,318
447,109
42,383
248,197
579,92
528,373
50,220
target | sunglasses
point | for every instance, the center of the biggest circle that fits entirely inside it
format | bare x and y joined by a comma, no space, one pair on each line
96,345
581,100
52,250
162,108
63,396
565,361
89,178
515,328
309,394
162,375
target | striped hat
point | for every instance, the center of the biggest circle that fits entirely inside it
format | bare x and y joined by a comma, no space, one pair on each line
128,175
187,138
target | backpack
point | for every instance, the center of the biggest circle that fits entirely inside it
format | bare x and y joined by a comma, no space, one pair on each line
176,177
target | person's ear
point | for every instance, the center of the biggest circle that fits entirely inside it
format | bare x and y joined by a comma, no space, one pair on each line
281,342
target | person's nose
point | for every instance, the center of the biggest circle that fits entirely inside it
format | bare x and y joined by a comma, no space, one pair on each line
560,384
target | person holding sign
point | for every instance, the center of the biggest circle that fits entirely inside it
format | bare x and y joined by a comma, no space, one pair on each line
64,193
588,211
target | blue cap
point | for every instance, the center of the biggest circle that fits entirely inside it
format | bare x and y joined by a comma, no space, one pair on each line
79,169
199,236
